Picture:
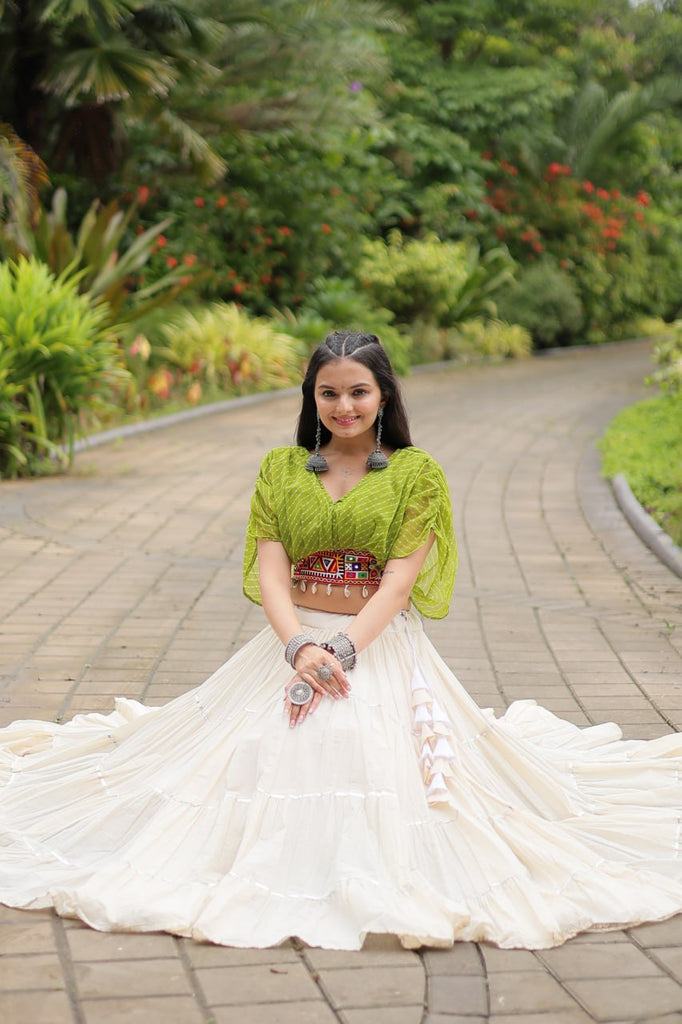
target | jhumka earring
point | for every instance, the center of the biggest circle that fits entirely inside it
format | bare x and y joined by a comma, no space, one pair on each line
317,463
377,459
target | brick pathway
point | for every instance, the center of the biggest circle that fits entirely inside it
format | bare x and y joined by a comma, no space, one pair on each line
124,578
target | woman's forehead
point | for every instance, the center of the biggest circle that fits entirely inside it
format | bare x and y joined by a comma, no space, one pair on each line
344,373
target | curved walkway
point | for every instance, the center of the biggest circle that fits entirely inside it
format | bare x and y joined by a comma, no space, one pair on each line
124,578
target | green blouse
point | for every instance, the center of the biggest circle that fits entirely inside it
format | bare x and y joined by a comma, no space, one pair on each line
390,512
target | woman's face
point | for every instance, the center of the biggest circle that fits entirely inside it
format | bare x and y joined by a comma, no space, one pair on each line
347,398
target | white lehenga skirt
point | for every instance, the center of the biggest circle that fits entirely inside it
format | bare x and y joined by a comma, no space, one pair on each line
405,809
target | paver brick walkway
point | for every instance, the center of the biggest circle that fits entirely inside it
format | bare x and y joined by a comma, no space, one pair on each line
124,578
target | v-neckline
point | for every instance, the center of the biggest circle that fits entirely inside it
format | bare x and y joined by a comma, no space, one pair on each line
335,501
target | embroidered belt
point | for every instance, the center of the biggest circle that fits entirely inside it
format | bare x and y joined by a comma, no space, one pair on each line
337,569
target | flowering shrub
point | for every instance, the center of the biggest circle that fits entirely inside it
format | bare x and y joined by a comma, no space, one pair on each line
288,214
600,238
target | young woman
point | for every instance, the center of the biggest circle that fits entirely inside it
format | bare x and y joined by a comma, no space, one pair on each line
333,778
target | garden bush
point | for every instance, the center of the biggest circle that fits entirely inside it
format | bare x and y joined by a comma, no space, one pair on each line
442,282
545,301
622,263
667,354
640,443
220,350
58,359
490,339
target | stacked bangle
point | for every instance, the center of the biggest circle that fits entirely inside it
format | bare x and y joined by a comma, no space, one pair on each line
343,648
297,641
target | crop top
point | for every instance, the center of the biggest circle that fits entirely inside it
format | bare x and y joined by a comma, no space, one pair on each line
390,512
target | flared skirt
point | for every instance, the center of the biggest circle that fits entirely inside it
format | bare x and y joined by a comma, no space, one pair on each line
404,809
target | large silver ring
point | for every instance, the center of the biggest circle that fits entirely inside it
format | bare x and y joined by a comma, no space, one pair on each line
324,672
300,693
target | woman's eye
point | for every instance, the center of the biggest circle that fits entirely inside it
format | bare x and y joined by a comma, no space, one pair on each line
359,391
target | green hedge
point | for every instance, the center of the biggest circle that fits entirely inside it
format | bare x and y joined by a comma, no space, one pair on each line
644,443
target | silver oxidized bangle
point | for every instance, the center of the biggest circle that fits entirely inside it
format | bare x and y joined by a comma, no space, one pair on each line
297,641
343,648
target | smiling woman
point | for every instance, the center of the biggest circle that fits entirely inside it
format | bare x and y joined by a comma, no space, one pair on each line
383,799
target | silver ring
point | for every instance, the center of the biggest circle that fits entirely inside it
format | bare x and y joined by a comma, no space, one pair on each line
324,672
300,693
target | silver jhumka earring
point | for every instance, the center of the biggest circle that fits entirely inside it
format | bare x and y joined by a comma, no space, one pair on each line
377,459
317,463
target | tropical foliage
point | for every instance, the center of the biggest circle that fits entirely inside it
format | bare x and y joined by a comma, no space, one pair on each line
57,360
455,177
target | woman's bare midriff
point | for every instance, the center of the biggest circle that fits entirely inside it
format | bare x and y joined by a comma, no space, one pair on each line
336,602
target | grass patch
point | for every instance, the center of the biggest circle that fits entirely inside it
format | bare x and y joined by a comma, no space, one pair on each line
644,443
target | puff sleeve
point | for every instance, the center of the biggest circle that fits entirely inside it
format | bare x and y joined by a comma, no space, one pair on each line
428,510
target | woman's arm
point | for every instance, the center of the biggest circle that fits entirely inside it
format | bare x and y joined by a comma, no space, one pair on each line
274,571
393,594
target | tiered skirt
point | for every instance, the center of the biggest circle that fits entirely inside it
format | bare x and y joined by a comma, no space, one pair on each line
405,809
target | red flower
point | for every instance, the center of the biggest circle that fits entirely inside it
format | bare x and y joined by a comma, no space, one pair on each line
588,187
161,241
189,259
615,194
486,155
471,214
643,198
171,262
593,212
142,194
221,201
199,201
237,288
285,231
325,229
603,193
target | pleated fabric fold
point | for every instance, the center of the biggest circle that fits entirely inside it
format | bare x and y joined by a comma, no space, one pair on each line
405,809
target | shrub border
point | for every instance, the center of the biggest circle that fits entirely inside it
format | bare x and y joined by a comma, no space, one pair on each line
646,528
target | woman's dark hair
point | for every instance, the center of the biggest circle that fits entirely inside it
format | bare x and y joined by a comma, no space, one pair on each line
368,350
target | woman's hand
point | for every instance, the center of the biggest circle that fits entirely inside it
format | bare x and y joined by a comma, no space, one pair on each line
308,662
299,712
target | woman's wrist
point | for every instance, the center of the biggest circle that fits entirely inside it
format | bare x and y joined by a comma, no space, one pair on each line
295,644
343,649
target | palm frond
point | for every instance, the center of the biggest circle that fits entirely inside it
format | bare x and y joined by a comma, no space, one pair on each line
192,146
622,112
108,71
111,12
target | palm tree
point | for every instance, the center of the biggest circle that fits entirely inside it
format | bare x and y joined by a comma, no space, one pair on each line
74,72
71,69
